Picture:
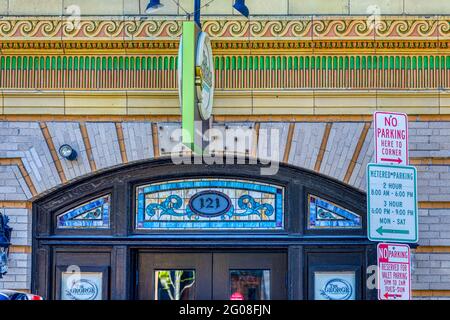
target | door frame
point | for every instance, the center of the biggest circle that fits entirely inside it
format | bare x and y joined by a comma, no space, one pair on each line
121,240
138,252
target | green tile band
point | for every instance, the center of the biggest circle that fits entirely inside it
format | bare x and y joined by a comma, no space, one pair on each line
232,71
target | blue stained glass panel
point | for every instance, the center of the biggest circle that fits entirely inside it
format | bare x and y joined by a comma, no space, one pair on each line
209,204
93,214
324,214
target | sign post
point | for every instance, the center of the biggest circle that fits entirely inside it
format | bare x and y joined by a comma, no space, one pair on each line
394,271
391,138
392,203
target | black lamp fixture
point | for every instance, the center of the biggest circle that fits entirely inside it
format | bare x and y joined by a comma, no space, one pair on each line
239,6
67,152
153,5
5,242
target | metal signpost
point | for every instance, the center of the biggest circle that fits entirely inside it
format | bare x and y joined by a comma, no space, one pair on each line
392,204
394,275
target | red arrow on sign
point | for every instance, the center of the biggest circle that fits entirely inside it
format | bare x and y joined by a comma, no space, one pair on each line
398,160
392,295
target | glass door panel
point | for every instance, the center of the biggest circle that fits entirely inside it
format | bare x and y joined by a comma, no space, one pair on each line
205,276
175,284
250,284
249,276
174,276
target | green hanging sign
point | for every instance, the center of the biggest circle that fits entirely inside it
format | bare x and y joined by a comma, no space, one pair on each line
195,86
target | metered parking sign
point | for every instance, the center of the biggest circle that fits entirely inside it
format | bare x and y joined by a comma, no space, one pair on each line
391,137
394,271
392,203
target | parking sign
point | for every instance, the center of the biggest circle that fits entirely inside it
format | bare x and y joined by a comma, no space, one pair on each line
392,203
394,271
391,138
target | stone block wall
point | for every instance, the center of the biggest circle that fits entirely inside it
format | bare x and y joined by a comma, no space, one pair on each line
224,7
338,149
19,266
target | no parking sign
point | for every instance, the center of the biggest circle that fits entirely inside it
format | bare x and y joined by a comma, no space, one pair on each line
394,271
391,138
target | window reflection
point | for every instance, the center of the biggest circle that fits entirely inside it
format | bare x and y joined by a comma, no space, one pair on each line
174,284
250,284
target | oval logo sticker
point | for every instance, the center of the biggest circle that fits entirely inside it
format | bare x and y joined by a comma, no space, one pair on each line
210,203
337,289
82,290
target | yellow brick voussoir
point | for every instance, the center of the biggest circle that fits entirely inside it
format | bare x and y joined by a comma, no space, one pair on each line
19,163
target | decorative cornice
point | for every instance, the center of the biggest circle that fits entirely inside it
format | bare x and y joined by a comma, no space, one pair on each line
258,71
90,46
220,47
402,52
310,28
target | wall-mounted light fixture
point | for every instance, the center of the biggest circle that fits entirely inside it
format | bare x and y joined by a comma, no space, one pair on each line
153,5
5,242
67,152
239,6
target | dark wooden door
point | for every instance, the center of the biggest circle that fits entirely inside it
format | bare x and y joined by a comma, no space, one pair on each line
334,274
166,276
249,276
205,276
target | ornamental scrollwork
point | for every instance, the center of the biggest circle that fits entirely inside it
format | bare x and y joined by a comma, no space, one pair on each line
299,29
172,206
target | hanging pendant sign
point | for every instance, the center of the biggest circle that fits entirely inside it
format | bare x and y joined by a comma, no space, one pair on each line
195,86
204,74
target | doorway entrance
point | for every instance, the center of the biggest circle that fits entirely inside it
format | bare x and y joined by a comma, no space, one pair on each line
211,275
145,231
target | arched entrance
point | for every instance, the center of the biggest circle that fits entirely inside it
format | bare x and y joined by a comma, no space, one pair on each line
155,230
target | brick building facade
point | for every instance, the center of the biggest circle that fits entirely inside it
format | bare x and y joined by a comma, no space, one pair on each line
314,70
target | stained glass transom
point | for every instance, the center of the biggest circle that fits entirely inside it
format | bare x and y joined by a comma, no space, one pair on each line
324,214
209,204
93,214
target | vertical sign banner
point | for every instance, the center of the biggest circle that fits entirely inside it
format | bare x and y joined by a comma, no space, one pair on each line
187,82
195,86
391,138
392,203
394,271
